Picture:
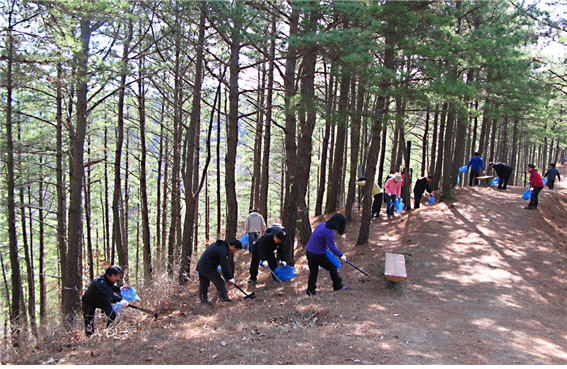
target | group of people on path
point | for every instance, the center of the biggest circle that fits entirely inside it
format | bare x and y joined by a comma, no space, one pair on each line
504,172
268,250
393,188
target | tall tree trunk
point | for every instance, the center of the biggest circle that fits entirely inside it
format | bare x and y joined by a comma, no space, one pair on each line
146,237
10,201
72,286
354,145
441,151
232,132
424,142
42,287
289,213
338,165
192,158
117,214
263,202
175,185
87,189
257,161
29,265
324,150
514,154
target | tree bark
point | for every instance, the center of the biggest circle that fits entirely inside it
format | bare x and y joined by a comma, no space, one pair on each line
72,286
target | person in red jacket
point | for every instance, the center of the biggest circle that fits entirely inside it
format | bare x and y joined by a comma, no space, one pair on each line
537,184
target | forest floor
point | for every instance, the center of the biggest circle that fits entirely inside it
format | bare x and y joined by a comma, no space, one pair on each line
486,285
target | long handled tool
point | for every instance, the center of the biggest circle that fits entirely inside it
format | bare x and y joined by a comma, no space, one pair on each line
360,202
274,274
144,310
248,296
357,268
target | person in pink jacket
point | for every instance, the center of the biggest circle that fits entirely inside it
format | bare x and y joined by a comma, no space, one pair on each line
537,184
392,190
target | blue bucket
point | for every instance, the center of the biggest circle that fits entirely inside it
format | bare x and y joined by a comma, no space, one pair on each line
399,206
285,273
333,258
463,169
527,195
129,294
545,181
495,181
244,240
430,200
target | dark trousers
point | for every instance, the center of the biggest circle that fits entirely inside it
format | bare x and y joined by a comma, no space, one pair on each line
472,179
550,183
534,198
504,180
272,263
377,204
389,200
205,280
316,260
417,198
89,315
252,237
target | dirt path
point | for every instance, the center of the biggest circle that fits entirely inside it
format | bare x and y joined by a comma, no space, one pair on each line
486,285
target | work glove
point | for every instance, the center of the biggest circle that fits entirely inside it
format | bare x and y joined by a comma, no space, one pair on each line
265,263
284,263
343,258
231,281
124,303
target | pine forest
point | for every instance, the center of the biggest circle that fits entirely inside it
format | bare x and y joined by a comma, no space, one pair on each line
136,133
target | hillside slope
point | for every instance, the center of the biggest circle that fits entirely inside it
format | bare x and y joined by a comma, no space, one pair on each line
486,285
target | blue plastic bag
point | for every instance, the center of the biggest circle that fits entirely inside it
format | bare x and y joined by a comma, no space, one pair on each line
399,206
333,258
545,181
244,240
495,181
129,294
527,195
463,169
430,200
285,273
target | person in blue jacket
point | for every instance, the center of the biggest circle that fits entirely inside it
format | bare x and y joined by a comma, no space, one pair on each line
216,254
102,293
323,237
476,164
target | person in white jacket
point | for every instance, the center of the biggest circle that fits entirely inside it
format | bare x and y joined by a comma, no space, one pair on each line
254,226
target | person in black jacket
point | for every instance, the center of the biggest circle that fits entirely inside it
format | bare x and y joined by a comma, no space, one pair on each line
421,185
551,173
216,254
264,251
503,171
102,293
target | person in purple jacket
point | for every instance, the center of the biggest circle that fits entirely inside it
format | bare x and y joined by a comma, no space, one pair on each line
323,237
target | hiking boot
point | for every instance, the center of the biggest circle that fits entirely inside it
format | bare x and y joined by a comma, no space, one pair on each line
309,293
530,207
252,282
344,288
